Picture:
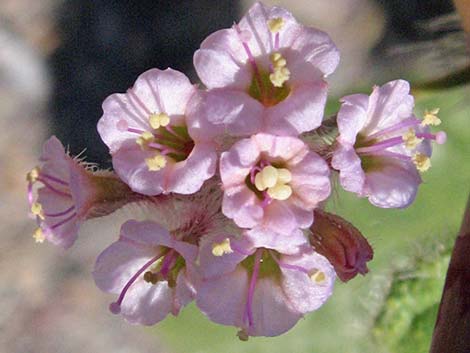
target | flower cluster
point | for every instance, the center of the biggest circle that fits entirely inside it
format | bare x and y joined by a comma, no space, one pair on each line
233,179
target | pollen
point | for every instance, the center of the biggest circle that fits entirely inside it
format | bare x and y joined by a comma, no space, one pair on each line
275,181
157,120
430,117
144,139
222,248
38,236
410,139
36,209
280,72
156,162
33,175
422,162
318,276
275,24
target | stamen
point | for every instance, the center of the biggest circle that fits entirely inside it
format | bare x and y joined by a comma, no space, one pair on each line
115,307
156,162
280,192
411,140
144,139
266,178
381,145
36,209
289,266
430,117
251,58
33,175
57,225
242,335
421,161
168,262
280,72
251,290
397,127
60,214
222,248
318,276
275,24
157,120
440,137
38,236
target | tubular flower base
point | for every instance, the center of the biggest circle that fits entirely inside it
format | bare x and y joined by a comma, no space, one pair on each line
249,241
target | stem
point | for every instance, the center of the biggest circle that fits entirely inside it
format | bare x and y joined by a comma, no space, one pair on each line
451,332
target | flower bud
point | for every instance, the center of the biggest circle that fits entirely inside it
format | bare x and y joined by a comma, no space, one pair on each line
341,243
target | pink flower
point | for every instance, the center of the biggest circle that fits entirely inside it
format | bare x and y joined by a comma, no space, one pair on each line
149,269
262,290
70,194
273,182
266,73
381,144
156,147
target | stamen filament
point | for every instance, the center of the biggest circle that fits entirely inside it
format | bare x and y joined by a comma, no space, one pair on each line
410,122
288,266
251,290
57,225
59,214
49,186
381,145
115,307
168,261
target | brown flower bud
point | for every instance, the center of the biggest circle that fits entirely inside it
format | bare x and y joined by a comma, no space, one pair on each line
341,243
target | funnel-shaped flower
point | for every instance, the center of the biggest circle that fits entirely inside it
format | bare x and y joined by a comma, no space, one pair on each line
156,147
382,145
261,290
70,194
266,73
273,182
149,269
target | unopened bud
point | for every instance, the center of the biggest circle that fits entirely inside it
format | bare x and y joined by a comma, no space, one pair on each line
341,243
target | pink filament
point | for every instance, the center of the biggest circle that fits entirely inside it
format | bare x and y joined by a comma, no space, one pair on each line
251,290
115,307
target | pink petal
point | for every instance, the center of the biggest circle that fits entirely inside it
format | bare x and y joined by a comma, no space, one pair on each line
280,147
312,49
129,164
222,299
301,111
279,217
388,105
187,177
304,294
147,303
351,174
242,205
215,266
393,186
351,117
118,263
285,243
235,111
146,234
221,61
236,164
272,314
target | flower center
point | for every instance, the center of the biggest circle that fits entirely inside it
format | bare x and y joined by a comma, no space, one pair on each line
169,143
270,183
268,85
380,142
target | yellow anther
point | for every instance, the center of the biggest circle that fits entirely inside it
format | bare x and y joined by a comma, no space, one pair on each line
38,235
284,176
144,139
275,24
421,161
156,162
275,57
280,192
410,139
222,248
279,76
157,120
430,117
36,209
318,276
33,175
